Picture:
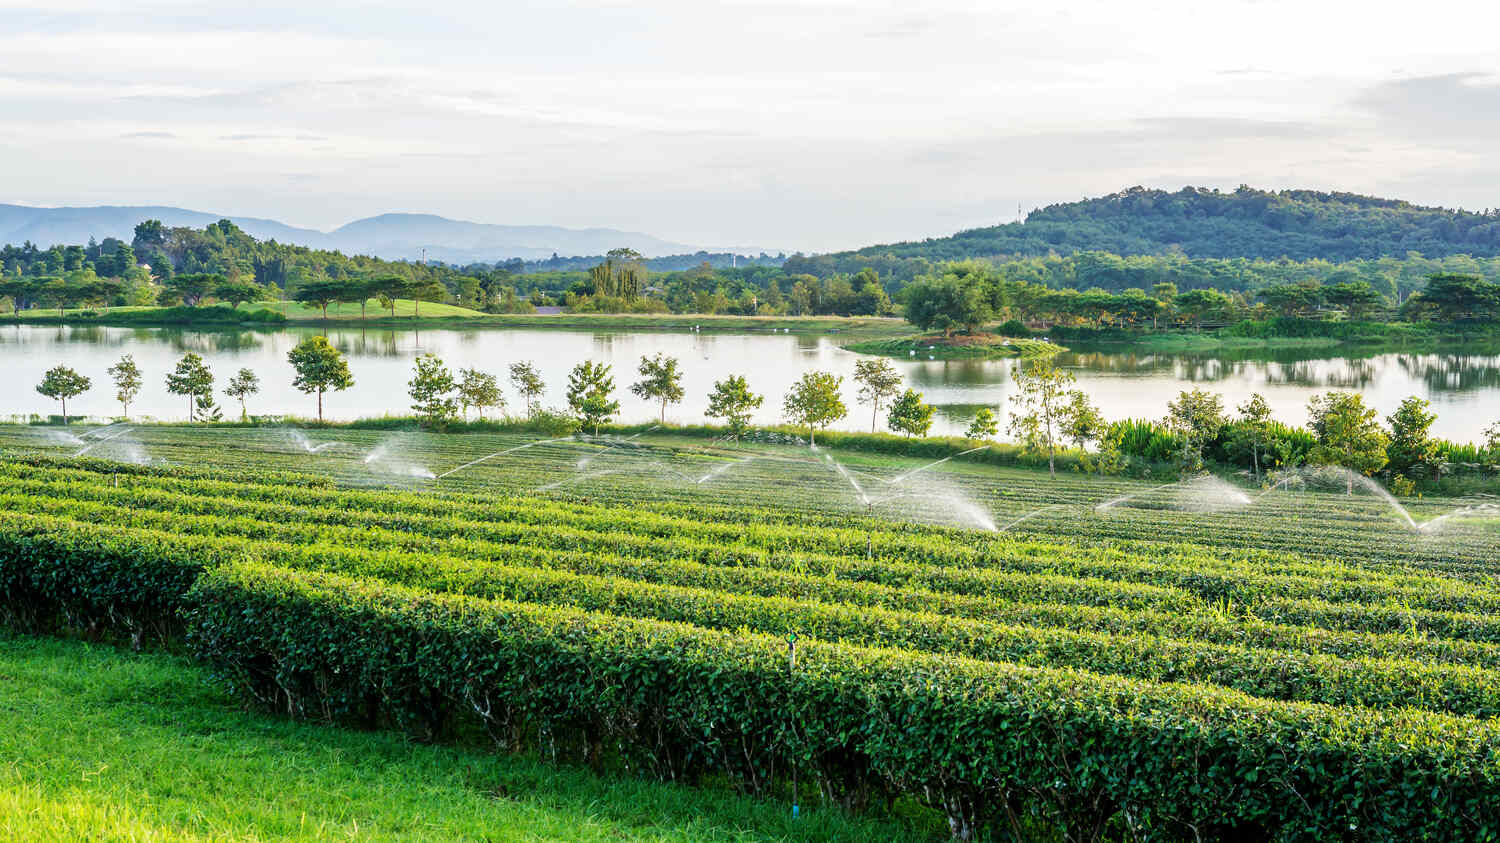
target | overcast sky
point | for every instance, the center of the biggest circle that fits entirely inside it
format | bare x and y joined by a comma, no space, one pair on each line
796,125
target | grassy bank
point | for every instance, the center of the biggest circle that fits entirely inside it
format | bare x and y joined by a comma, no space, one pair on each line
1281,333
956,347
102,744
448,316
256,313
862,325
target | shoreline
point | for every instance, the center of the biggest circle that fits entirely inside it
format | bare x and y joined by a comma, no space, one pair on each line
867,326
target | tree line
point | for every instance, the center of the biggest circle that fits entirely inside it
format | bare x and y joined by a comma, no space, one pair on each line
969,295
145,271
1048,412
222,264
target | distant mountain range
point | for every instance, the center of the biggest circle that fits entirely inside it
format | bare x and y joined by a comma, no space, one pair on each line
390,236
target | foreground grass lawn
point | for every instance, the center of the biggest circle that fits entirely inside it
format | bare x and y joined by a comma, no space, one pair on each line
102,744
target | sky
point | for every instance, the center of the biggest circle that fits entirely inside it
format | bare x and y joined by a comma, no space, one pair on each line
806,126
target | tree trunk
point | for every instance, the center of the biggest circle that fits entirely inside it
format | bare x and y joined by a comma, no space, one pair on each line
664,411
320,406
65,412
874,414
1051,461
190,408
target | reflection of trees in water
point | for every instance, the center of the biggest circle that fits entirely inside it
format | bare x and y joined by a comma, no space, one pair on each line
604,343
1124,363
364,343
963,414
210,342
936,374
1315,368
1337,373
92,334
1452,372
1207,369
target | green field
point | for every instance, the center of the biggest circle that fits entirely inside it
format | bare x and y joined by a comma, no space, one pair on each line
976,647
294,311
434,313
104,745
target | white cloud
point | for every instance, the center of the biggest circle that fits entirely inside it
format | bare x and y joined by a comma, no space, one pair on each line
804,125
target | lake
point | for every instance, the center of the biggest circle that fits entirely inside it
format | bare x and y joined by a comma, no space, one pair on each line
1463,385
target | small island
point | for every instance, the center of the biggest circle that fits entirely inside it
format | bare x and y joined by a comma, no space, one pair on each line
966,346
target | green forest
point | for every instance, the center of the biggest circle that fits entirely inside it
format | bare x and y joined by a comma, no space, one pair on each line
1201,223
1133,258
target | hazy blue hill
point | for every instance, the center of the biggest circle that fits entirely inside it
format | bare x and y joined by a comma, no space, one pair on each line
1203,223
46,226
390,236
405,235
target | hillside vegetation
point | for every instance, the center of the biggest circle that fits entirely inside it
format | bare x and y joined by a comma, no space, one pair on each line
1202,223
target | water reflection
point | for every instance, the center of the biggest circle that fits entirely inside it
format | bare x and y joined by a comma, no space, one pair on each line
1453,372
1464,384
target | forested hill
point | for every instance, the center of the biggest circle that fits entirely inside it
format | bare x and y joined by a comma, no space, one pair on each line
1202,223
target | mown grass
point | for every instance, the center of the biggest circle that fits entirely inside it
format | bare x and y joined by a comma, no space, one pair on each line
102,744
433,314
294,312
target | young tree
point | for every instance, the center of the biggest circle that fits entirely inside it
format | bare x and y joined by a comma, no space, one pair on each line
127,377
589,389
320,367
528,383
1492,438
1412,448
661,380
243,385
879,382
1082,422
1197,416
984,425
1347,433
732,401
909,415
206,408
431,388
1040,392
815,401
478,390
1254,429
61,383
427,289
191,378
355,291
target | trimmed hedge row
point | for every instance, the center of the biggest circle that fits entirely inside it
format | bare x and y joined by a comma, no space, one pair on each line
1188,570
39,557
986,743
